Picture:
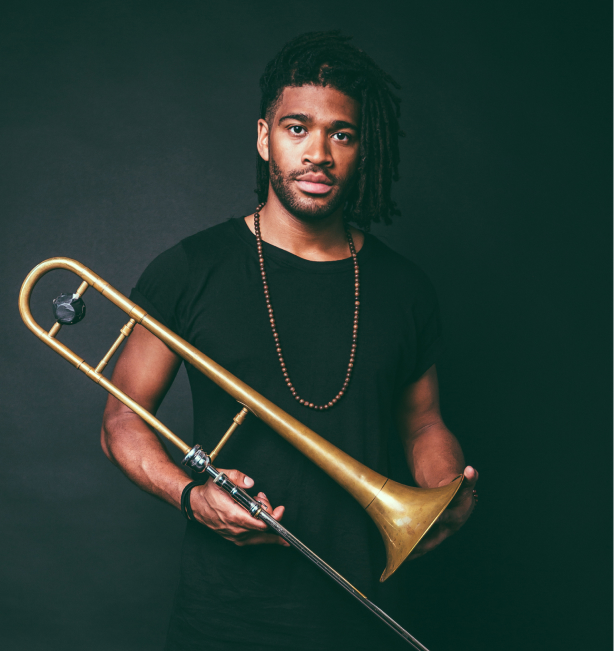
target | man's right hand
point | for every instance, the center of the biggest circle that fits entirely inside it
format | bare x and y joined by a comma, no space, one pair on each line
214,508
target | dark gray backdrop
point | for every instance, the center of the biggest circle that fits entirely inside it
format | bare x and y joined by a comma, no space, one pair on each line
127,126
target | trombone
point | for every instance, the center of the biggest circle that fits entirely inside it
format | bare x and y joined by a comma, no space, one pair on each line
403,514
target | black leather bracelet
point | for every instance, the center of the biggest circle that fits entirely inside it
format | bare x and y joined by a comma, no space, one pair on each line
186,507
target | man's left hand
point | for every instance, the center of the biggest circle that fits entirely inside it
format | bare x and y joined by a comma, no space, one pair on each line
453,518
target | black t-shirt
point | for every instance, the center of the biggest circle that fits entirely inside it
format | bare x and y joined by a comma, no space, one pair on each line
208,290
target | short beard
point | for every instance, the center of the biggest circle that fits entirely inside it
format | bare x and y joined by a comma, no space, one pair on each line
302,209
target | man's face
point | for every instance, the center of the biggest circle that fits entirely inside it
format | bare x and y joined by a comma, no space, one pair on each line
312,147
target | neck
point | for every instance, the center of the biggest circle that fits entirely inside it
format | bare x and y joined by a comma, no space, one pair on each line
321,240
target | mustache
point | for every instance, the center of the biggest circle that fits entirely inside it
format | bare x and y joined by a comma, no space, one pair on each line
312,169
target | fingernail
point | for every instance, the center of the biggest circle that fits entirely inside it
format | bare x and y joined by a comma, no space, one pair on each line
248,481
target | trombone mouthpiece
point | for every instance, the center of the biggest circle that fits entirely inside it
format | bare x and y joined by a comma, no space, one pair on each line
68,309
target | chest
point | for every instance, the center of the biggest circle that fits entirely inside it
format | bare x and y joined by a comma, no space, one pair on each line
227,318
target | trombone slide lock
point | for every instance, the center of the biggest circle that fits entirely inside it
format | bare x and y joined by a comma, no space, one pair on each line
196,459
403,514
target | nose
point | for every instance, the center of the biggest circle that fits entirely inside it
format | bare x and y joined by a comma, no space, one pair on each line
317,150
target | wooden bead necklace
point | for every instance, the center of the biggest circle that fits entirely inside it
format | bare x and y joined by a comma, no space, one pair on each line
267,297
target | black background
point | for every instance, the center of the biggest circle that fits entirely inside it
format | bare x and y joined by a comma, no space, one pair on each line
127,126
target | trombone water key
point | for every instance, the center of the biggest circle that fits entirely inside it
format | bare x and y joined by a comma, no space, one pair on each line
403,514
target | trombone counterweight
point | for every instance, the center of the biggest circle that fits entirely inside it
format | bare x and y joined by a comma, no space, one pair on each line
402,514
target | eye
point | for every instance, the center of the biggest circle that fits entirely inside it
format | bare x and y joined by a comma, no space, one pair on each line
297,129
342,136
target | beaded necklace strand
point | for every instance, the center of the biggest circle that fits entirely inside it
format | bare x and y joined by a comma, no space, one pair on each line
278,349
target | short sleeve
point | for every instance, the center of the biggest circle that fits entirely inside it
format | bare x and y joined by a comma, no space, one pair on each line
160,288
427,319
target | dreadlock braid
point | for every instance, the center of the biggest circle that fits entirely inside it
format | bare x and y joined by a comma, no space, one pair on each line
327,59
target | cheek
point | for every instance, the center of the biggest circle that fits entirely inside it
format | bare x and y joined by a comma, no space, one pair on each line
280,156
284,153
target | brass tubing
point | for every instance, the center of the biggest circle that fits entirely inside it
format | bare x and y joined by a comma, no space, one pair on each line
123,334
236,421
403,514
65,352
361,482
82,288
148,417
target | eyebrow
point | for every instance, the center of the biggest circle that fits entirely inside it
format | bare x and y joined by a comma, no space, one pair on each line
303,117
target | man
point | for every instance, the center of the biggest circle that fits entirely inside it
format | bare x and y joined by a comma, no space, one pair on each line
329,324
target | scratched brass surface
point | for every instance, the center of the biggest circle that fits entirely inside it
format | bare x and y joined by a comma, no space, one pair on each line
402,514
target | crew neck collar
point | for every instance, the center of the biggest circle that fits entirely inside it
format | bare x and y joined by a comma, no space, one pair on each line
287,258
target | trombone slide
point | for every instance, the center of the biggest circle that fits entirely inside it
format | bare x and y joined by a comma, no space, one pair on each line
403,514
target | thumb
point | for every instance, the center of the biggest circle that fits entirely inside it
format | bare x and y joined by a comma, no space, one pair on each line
471,477
239,478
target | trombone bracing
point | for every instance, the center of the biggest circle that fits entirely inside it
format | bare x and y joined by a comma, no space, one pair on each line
403,514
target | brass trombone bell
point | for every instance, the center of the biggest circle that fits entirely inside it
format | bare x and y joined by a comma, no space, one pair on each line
403,514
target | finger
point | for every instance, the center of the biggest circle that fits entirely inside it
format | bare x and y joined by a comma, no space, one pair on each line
471,477
431,540
239,478
278,513
240,517
227,513
237,515
436,539
264,501
231,519
256,523
247,521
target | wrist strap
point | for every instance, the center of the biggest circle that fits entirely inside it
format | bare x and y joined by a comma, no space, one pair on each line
186,508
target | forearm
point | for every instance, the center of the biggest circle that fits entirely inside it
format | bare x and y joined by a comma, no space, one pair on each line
131,445
434,455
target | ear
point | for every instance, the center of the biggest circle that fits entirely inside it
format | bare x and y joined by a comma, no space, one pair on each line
263,139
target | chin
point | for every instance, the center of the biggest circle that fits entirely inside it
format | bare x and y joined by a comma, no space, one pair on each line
310,209
313,213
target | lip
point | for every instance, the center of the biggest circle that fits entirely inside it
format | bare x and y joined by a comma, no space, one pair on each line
313,188
314,183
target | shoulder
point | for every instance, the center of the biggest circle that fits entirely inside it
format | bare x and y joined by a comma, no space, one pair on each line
202,247
212,243
169,279
168,264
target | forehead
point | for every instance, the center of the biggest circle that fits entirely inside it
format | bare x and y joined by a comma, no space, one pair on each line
321,103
